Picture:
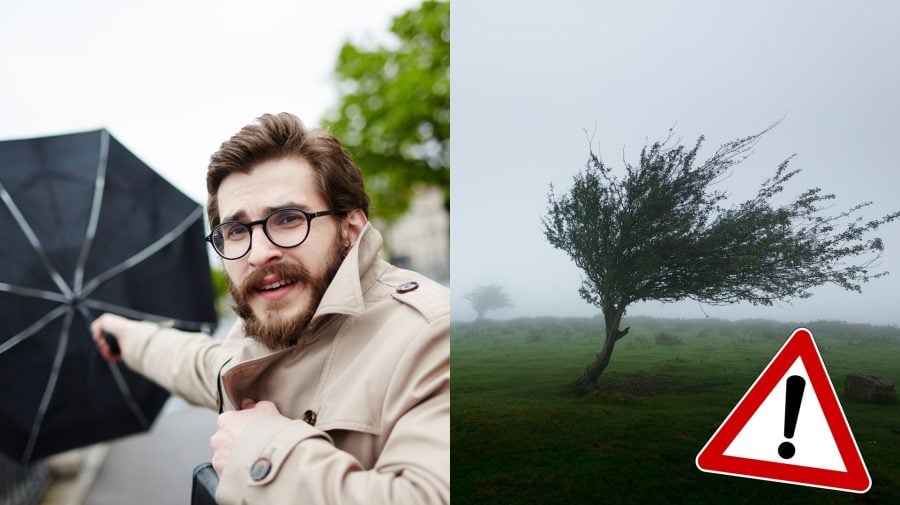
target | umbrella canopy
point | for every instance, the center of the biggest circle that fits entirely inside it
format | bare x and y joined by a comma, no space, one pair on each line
87,228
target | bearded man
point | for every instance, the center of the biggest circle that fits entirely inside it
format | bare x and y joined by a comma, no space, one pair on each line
334,385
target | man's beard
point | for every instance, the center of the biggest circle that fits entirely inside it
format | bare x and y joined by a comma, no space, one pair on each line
277,331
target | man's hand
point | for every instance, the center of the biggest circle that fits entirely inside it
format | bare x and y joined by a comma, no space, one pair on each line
117,326
229,427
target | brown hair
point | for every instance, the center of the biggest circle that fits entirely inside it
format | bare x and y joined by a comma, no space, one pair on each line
283,135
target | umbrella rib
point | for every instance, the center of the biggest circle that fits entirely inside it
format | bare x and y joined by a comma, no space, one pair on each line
129,398
146,253
34,328
51,384
35,243
99,184
137,314
34,293
120,380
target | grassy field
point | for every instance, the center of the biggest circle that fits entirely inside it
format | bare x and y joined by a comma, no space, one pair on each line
520,436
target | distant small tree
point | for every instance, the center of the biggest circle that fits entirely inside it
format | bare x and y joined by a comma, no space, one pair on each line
485,298
661,233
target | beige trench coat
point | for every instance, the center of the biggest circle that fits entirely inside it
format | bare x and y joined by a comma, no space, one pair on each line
365,406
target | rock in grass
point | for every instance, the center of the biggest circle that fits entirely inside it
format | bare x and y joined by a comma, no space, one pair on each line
869,388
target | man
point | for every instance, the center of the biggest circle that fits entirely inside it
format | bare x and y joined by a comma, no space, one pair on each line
335,382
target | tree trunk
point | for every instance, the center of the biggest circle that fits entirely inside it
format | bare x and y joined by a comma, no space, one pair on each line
588,380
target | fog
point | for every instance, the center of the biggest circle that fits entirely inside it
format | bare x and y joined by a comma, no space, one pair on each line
530,84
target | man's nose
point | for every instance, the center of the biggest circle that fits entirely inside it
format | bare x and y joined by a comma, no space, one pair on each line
262,250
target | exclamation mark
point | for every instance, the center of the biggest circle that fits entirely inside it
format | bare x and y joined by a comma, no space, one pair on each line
795,387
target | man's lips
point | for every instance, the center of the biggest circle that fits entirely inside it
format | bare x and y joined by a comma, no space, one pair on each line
273,288
275,285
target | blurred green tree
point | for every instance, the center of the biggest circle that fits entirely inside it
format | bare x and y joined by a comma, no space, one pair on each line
485,298
394,110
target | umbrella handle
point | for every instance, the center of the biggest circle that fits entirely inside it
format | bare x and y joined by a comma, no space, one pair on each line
112,343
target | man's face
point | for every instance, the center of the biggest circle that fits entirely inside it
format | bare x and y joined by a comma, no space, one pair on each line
276,290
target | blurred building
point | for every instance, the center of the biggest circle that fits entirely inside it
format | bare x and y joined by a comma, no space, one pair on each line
420,239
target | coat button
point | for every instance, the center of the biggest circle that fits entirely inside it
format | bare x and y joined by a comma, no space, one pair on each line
406,287
309,417
260,469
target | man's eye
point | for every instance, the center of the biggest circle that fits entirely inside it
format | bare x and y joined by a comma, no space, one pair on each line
235,232
290,219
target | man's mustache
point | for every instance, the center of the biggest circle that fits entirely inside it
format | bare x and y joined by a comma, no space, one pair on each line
293,272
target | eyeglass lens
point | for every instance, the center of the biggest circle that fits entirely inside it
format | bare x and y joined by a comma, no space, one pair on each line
285,228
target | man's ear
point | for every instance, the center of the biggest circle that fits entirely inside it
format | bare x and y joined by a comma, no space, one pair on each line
353,225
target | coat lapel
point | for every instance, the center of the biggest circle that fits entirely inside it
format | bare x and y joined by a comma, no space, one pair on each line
357,273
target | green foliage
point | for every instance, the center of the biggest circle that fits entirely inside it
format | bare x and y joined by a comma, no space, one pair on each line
394,112
661,232
712,328
220,290
666,338
485,298
219,283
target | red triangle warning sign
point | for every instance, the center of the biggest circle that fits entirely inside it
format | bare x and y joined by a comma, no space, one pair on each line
789,427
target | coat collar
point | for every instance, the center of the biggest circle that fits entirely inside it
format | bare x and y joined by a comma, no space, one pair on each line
357,273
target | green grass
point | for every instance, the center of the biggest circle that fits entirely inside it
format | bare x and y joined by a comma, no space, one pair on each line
520,436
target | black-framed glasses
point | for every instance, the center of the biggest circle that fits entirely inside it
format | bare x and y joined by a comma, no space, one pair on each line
283,227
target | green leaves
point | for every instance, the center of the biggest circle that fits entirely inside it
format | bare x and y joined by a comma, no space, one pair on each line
394,112
661,233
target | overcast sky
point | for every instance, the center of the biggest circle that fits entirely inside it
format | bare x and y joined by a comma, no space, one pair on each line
173,79
527,81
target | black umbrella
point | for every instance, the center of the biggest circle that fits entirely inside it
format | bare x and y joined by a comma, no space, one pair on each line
87,228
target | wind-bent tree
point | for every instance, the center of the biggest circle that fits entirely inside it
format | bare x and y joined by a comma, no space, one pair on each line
485,298
661,232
